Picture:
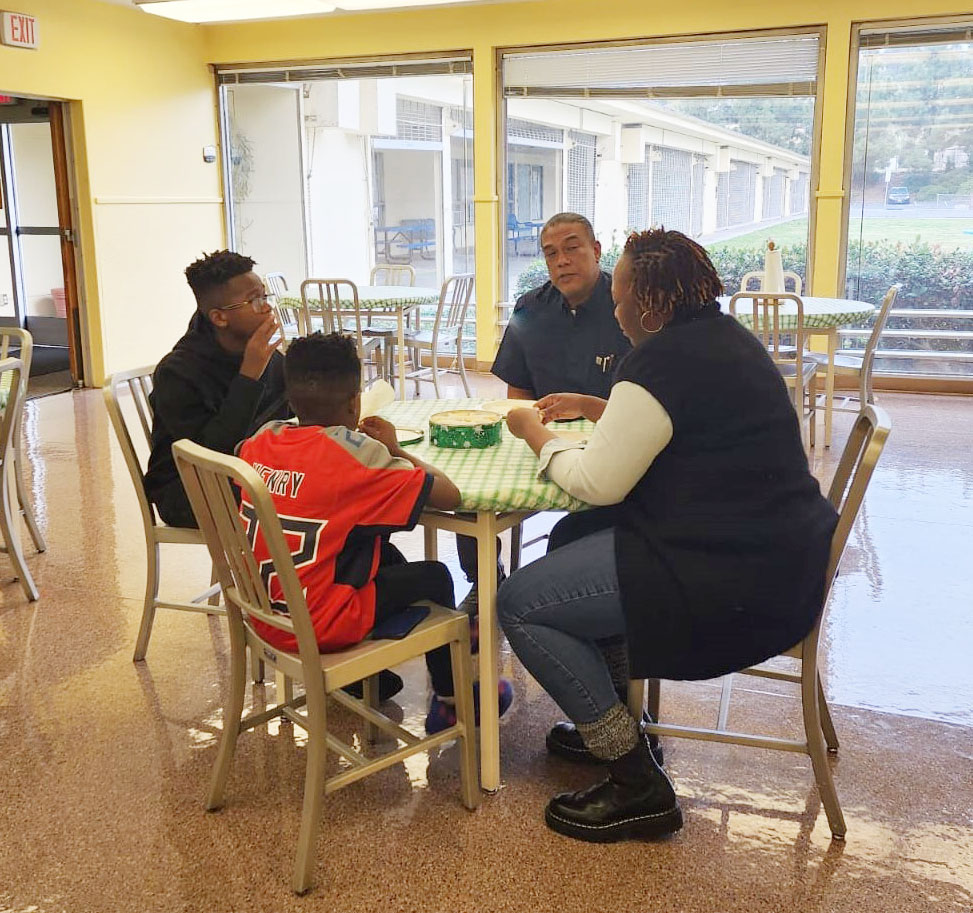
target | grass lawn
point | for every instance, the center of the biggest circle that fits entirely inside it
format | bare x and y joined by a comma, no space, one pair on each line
947,233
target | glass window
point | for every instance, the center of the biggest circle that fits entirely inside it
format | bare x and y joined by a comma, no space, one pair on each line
332,175
722,151
911,212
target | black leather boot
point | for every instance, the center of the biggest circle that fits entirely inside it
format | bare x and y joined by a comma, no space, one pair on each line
636,801
565,741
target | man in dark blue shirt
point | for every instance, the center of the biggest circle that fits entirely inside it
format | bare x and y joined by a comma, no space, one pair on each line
563,336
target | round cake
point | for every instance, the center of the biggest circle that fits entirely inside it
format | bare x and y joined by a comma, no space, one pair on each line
464,429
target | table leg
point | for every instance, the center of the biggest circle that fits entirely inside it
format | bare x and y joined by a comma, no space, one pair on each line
486,537
431,542
829,385
401,351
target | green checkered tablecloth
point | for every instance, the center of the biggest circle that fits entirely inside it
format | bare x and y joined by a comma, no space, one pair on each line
819,313
498,478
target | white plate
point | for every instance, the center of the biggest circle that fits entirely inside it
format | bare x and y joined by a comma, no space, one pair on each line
409,435
503,406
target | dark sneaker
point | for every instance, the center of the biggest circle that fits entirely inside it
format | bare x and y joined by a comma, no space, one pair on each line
442,715
565,741
389,685
636,801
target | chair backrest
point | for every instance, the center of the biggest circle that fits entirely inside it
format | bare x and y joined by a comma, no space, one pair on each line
454,299
392,274
336,302
880,320
138,384
289,316
11,337
855,468
11,380
276,284
758,276
230,532
766,325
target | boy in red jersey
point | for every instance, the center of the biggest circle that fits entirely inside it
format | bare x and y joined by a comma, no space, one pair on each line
339,493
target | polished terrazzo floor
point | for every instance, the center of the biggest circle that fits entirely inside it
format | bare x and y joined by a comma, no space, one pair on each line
105,763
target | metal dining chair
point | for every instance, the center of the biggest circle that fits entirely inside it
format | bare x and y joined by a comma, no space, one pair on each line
392,274
136,385
446,335
12,381
211,480
290,316
847,491
786,348
758,276
329,300
17,342
861,366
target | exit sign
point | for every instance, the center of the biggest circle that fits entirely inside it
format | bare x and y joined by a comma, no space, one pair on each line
19,30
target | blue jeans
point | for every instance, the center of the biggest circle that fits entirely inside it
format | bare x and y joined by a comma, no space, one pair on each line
555,611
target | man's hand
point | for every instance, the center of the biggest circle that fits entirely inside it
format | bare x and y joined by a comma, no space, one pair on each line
382,431
259,349
520,422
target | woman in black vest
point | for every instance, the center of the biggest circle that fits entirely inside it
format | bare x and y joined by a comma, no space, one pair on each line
719,558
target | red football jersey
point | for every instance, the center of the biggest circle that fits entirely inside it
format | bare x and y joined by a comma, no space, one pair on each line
336,492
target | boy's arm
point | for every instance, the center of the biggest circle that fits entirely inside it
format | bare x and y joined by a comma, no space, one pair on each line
444,495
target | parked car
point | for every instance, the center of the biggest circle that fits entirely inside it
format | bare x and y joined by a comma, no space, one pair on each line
897,196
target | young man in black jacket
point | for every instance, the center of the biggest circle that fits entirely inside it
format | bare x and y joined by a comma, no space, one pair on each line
221,382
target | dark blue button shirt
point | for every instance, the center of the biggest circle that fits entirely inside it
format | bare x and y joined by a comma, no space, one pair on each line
547,348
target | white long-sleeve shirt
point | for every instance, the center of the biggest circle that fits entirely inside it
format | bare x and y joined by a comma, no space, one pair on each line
633,430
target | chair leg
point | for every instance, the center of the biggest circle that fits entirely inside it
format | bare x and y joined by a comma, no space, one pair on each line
819,755
459,653
25,507
462,367
11,537
314,779
827,726
435,372
636,697
655,698
232,712
812,407
370,700
257,670
151,597
516,545
213,580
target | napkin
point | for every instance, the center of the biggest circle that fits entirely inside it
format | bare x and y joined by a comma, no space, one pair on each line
376,398
773,270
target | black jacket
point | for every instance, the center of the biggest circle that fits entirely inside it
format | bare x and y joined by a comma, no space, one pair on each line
199,393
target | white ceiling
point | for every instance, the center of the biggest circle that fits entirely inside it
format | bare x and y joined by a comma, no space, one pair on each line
131,5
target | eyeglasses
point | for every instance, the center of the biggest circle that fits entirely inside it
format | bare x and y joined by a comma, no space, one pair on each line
257,303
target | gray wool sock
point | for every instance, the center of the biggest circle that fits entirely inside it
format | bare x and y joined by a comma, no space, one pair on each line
616,656
612,735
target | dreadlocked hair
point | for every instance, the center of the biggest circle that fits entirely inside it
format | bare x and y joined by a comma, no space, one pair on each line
215,269
671,274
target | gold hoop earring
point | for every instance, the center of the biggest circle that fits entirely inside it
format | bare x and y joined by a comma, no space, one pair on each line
642,324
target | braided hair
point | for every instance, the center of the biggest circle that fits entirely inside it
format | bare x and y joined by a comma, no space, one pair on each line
671,274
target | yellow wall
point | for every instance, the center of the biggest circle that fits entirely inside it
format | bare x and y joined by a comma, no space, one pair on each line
143,107
485,27
146,106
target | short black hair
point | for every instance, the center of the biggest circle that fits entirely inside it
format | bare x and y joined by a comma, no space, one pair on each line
214,270
570,218
321,372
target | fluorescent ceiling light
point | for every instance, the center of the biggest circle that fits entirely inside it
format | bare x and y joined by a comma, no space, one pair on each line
241,10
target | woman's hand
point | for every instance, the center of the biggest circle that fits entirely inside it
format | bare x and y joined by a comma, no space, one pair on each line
520,422
382,431
557,406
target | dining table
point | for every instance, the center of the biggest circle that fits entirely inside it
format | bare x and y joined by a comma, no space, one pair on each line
499,488
822,317
386,303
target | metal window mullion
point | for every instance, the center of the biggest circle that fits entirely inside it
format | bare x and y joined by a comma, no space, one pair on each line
14,247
